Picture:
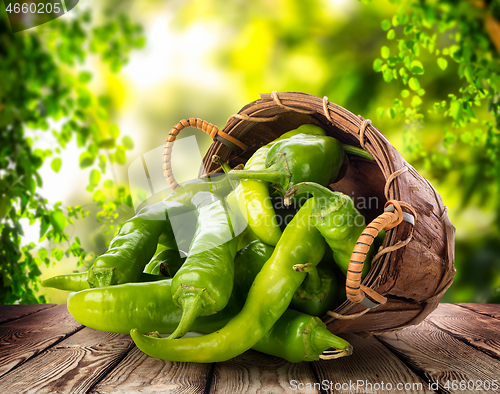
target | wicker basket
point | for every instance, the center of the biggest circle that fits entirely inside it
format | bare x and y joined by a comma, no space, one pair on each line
415,266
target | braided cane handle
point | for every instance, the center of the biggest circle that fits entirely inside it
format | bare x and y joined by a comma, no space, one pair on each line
208,128
354,289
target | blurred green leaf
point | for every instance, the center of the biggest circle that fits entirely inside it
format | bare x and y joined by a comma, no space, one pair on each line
86,160
377,65
56,164
120,155
416,101
414,84
385,52
442,63
94,177
127,142
84,77
58,221
416,67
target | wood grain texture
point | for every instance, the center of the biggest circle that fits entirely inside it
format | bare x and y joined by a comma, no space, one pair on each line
139,373
25,337
72,366
254,372
12,312
480,331
492,310
440,358
371,363
47,352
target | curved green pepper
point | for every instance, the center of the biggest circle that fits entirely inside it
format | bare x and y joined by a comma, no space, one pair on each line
298,158
268,298
166,263
315,295
149,306
203,284
133,246
318,293
253,194
300,337
78,280
336,218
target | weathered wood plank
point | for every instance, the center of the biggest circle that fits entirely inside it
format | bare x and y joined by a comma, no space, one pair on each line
492,310
23,338
480,331
254,372
12,312
442,359
72,366
139,373
372,368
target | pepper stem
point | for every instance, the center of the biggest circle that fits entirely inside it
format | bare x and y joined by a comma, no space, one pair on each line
315,189
315,286
303,267
353,150
226,168
192,307
102,277
312,283
277,174
329,346
326,200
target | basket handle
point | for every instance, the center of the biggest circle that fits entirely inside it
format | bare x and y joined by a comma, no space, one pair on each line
210,129
356,292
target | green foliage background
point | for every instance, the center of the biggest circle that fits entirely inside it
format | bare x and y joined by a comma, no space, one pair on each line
425,72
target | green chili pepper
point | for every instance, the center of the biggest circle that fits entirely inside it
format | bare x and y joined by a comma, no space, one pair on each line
268,298
315,295
78,281
134,243
336,218
71,282
300,337
149,306
253,194
166,263
203,284
133,246
299,158
295,336
318,293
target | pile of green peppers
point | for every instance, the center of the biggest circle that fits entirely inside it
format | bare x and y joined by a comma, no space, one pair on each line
266,261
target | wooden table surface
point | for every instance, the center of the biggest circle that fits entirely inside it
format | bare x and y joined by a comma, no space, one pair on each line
455,350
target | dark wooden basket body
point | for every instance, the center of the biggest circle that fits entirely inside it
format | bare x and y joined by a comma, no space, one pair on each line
414,277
